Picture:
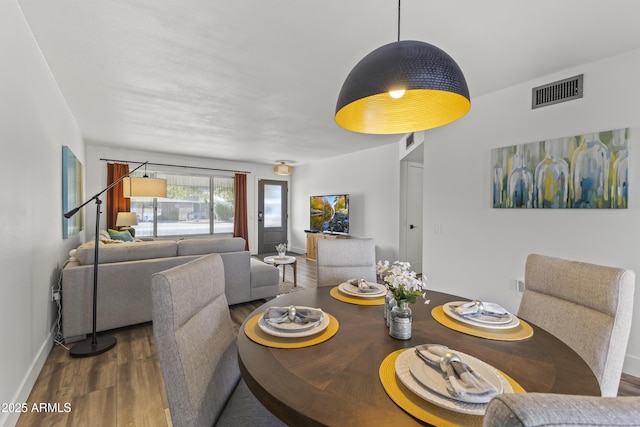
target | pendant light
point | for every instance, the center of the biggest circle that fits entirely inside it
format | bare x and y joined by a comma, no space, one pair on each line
282,169
404,86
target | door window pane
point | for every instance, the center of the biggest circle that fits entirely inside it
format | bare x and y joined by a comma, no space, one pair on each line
272,207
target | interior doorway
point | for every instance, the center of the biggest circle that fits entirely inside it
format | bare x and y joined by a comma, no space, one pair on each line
272,214
411,208
414,229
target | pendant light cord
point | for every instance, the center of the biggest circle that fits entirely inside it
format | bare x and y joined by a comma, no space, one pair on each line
398,20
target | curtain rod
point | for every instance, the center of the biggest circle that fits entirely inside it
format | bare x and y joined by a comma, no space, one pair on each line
176,166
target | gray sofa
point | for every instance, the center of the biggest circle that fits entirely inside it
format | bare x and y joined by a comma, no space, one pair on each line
124,279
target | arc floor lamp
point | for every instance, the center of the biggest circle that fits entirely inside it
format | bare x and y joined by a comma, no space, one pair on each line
94,344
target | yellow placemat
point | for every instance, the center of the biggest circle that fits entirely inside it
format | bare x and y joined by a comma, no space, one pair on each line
420,408
521,332
335,292
253,331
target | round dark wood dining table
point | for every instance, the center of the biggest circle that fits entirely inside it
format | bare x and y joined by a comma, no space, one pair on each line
336,382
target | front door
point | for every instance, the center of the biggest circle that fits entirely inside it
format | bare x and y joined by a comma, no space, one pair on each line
272,214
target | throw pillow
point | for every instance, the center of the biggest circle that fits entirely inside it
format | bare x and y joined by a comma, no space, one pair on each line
125,236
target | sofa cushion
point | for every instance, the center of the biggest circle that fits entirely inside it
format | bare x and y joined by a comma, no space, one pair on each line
125,236
263,274
127,252
210,246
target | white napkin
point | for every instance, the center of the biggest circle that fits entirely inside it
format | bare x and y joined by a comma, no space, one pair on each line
302,315
487,308
463,382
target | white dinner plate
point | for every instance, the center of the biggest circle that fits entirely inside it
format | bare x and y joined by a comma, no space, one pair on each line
482,321
351,290
403,371
434,380
271,329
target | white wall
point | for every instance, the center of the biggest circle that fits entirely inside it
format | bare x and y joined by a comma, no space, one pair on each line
97,177
35,123
481,249
372,180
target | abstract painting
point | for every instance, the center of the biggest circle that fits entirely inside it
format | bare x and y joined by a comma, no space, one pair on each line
582,171
72,192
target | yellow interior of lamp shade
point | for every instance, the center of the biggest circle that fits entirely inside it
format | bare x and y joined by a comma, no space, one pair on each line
417,110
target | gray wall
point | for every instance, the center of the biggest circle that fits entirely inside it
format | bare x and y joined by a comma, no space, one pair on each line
35,123
481,249
372,180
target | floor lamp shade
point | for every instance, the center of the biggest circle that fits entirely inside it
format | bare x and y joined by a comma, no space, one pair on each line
144,187
432,90
126,219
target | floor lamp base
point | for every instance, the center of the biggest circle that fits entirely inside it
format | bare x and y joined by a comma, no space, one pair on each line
87,348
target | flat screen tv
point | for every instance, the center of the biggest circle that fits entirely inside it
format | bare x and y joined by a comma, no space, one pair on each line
329,214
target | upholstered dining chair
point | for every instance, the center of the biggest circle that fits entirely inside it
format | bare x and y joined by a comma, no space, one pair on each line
587,306
197,349
338,260
542,409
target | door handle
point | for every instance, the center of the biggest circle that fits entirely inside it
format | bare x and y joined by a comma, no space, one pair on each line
411,227
260,215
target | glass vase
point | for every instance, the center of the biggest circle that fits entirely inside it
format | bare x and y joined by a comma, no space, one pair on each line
400,322
387,309
388,297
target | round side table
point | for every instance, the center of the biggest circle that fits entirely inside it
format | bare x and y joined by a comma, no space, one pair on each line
284,261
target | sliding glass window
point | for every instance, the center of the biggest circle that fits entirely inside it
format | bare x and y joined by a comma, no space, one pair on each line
188,208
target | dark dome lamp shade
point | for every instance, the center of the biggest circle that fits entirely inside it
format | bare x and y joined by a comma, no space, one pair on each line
435,94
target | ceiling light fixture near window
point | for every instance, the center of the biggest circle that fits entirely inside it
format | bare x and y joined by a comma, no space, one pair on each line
282,169
405,86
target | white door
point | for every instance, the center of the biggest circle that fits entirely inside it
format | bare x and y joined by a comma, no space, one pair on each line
414,230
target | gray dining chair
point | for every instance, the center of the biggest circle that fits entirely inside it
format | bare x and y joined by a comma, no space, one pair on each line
338,260
197,349
587,306
542,409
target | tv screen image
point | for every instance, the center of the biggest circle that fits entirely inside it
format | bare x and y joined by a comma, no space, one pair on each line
330,214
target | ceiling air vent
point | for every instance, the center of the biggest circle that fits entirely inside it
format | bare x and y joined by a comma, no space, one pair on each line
556,92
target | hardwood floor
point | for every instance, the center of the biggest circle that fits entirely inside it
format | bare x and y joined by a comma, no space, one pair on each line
124,386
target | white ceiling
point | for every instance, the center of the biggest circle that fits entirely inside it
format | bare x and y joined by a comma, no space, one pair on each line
257,80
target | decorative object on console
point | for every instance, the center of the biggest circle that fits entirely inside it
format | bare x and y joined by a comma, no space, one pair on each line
96,345
145,186
125,220
283,168
402,87
582,171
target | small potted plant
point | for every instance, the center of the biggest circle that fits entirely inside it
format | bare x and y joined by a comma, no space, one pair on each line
281,248
404,288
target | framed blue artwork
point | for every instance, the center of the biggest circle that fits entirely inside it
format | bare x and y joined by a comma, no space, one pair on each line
587,171
72,192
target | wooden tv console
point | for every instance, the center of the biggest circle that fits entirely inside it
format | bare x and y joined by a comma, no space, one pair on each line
312,242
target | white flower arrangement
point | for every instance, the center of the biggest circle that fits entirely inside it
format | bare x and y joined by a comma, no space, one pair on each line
403,283
281,247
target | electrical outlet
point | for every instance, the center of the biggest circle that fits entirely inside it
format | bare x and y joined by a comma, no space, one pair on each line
519,286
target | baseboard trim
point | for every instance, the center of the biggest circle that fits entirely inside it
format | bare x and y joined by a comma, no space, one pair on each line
29,380
631,365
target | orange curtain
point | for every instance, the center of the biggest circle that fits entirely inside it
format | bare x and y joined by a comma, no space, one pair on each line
115,201
240,227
